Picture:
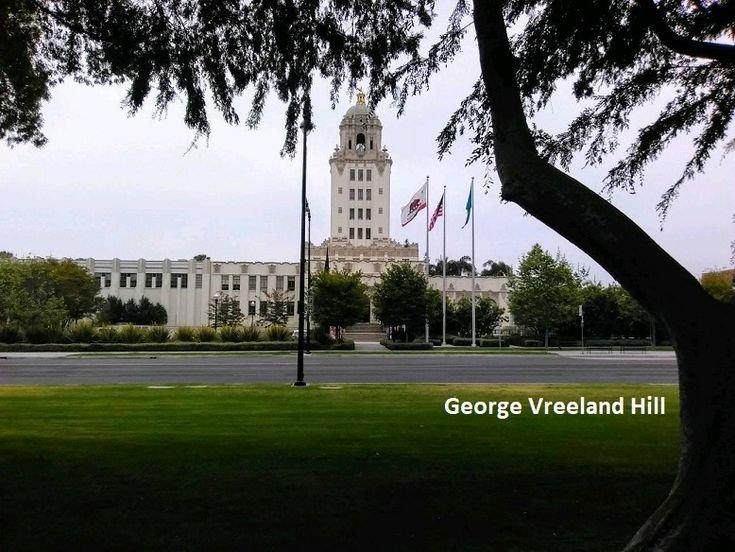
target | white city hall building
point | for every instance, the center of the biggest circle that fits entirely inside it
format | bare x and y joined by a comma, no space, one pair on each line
360,169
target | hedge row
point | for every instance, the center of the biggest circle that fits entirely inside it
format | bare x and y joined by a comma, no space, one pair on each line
401,346
170,346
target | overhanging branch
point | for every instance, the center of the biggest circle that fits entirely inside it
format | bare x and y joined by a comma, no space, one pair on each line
724,53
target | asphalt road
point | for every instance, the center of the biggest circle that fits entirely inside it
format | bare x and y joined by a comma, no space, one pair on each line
352,368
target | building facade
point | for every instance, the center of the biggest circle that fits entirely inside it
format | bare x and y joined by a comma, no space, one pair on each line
360,240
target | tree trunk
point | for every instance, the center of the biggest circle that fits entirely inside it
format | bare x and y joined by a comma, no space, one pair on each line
699,513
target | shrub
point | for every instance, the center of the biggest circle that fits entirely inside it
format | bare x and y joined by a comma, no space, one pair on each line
462,341
10,334
400,346
185,333
250,333
43,334
346,345
277,333
230,334
131,334
205,334
157,334
82,331
108,334
492,342
319,335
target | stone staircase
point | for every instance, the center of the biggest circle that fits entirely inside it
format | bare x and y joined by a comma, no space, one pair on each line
364,332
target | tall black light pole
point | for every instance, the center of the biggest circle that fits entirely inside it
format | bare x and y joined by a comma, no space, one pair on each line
302,264
308,273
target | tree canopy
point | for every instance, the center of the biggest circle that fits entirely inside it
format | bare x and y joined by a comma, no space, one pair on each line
339,298
543,293
45,293
400,298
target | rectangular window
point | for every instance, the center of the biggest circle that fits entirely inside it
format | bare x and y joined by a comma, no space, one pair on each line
368,194
236,282
352,233
369,172
352,213
359,175
359,214
279,283
225,282
290,308
359,193
368,214
291,283
104,279
263,308
264,283
352,193
153,279
380,229
198,281
352,175
339,209
359,233
339,230
252,281
371,146
367,233
251,308
380,191
339,190
380,210
124,279
177,277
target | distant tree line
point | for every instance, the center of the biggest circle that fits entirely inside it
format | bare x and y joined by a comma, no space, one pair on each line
463,267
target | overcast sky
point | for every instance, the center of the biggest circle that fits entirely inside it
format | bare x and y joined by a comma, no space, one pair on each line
109,185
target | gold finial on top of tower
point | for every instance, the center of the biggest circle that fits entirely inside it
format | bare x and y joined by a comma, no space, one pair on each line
360,97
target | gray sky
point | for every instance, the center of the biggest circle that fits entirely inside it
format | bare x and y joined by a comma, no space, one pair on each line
109,185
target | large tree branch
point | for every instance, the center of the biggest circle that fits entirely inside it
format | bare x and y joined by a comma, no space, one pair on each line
567,206
680,44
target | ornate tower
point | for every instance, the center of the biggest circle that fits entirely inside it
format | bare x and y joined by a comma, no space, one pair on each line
360,171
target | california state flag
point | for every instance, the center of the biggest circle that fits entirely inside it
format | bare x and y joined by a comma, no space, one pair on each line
412,208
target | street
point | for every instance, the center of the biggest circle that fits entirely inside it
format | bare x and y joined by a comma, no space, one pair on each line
347,368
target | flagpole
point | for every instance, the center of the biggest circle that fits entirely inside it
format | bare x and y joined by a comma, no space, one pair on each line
472,193
426,315
444,269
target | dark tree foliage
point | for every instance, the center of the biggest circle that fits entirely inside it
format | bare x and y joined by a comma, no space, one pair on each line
200,49
611,51
458,267
496,268
400,298
144,312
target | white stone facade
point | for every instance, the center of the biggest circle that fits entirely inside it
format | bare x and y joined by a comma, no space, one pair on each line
359,241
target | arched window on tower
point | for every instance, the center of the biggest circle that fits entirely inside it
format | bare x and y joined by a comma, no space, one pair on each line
371,143
349,144
360,139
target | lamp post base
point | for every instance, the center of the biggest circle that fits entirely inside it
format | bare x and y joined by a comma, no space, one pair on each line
299,384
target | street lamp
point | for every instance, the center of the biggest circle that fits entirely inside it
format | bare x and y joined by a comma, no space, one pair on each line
216,307
251,308
305,127
308,273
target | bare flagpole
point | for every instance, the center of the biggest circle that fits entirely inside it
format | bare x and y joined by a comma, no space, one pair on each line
472,192
444,269
427,251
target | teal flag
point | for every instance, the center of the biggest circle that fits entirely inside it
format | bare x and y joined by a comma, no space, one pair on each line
469,206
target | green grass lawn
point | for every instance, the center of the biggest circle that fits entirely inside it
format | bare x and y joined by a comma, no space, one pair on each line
362,466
